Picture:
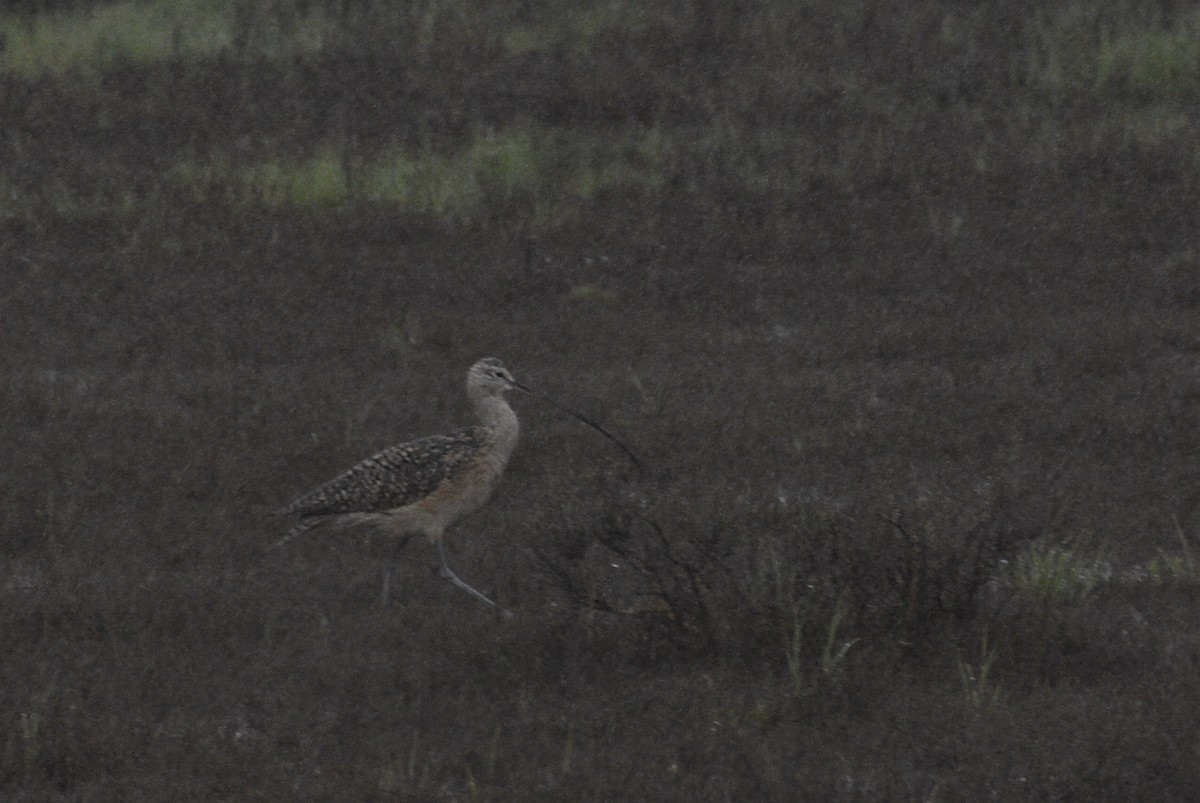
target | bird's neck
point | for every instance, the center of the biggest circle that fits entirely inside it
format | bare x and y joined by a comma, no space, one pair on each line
499,420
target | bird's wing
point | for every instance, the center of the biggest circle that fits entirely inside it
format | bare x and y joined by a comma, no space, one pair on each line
393,478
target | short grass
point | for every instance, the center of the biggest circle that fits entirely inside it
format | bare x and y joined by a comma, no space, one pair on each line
644,133
898,303
90,37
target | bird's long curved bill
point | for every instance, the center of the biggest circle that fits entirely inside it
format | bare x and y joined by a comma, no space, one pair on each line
576,414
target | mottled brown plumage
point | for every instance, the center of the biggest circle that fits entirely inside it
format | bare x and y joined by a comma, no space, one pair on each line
424,486
393,478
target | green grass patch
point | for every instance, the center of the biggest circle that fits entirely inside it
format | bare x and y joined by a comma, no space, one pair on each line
153,30
142,31
552,178
318,181
523,164
1152,63
493,167
1073,49
1059,575
592,294
579,29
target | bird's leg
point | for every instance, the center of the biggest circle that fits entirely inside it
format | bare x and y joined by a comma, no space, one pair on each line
449,574
390,570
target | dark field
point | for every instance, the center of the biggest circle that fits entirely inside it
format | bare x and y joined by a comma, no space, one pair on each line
899,301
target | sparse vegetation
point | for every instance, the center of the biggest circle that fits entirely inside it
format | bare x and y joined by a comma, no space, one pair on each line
898,301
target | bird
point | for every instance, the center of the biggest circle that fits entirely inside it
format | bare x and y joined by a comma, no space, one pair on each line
426,485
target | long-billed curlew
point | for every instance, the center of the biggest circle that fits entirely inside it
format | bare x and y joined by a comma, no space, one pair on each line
426,485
